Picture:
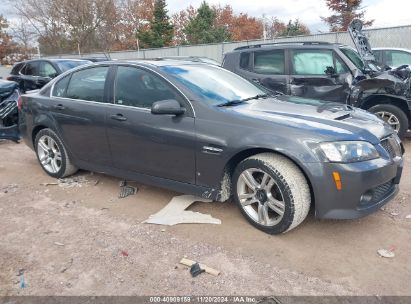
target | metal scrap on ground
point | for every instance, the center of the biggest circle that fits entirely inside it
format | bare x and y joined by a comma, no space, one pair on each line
126,190
207,269
175,213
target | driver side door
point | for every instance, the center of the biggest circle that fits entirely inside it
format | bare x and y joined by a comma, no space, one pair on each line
318,74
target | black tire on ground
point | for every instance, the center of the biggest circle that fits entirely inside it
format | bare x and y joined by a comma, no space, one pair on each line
291,182
66,168
397,112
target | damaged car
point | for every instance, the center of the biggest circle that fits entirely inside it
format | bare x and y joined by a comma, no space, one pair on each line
331,72
199,129
9,95
34,74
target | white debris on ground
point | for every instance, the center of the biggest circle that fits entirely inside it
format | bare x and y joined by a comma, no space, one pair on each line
174,213
77,181
385,253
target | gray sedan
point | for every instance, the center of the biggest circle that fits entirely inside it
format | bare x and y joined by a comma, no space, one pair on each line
200,129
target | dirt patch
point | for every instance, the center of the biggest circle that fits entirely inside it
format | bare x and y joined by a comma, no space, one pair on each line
86,241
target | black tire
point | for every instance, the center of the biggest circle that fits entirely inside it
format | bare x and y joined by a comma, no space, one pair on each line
397,112
290,181
66,166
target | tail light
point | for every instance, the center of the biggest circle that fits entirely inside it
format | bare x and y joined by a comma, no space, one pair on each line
20,103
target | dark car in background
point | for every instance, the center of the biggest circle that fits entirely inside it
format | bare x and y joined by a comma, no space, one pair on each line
200,129
331,72
9,95
34,74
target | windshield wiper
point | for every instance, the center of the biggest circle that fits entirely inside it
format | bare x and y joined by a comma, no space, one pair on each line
238,101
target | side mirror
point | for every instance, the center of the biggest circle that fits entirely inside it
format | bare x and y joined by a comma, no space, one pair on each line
330,71
167,107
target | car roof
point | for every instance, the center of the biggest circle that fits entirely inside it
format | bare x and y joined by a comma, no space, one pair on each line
391,49
155,62
293,44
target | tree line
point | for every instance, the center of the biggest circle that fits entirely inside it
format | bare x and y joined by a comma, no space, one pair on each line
82,26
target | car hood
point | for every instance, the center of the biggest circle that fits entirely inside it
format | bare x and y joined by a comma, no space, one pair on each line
328,120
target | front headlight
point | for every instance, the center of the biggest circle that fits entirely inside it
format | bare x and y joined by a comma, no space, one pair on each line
349,151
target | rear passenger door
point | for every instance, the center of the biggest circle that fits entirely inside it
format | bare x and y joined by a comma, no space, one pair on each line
266,67
318,74
79,109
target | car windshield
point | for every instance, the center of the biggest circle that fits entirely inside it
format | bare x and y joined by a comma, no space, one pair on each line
216,85
66,65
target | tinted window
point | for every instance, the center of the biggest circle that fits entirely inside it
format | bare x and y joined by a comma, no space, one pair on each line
269,62
213,84
66,65
88,84
139,88
31,68
340,67
47,70
60,87
378,55
245,60
354,57
397,58
16,69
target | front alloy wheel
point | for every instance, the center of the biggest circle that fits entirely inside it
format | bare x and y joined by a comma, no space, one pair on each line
392,115
260,197
272,192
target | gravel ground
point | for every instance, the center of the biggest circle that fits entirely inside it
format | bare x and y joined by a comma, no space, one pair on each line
84,240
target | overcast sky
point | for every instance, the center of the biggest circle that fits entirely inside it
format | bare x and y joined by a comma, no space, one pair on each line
385,12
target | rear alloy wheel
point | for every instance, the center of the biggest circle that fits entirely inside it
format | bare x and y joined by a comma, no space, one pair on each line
272,192
392,115
52,155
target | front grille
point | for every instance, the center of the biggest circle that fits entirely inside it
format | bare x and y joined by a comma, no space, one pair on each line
392,146
381,191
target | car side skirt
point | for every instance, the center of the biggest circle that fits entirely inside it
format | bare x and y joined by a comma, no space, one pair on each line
186,188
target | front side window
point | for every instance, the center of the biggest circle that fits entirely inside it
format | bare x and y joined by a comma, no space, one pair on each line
212,84
312,62
140,88
269,62
397,58
88,84
47,70
354,57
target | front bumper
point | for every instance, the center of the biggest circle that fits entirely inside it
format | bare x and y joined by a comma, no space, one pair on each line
366,187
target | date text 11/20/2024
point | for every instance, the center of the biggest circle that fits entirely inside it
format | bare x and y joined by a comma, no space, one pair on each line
203,299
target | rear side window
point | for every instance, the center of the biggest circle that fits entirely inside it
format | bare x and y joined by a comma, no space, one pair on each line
31,69
139,88
60,87
16,69
269,62
88,84
245,61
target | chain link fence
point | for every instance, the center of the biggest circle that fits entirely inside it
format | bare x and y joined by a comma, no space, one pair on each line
399,37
